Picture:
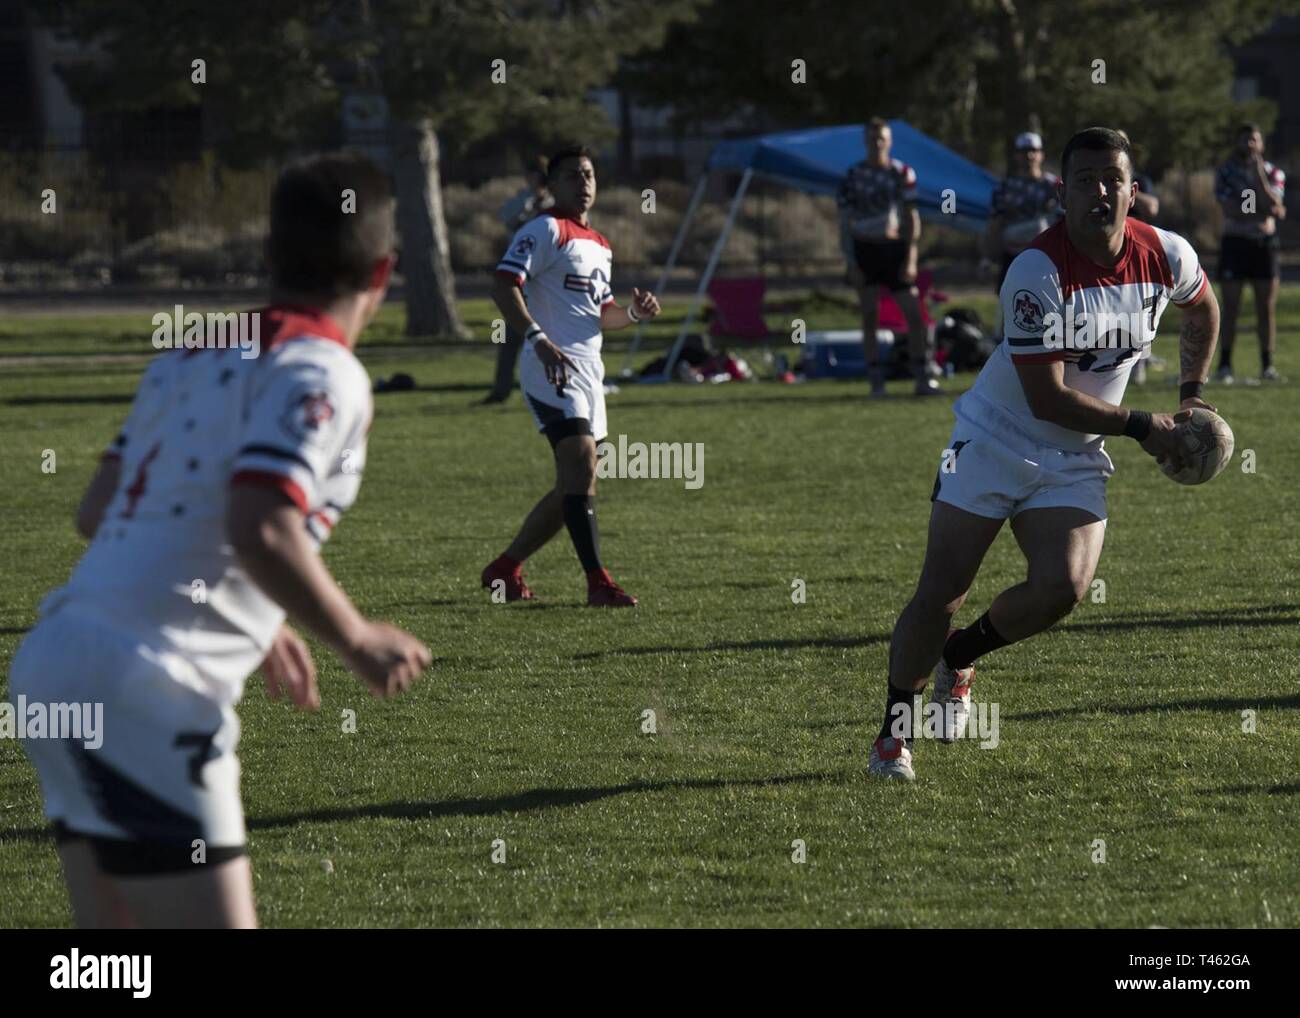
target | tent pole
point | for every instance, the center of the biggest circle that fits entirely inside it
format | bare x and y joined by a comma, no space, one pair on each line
673,252
707,276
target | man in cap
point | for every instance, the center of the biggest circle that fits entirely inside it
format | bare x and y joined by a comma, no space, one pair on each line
1025,203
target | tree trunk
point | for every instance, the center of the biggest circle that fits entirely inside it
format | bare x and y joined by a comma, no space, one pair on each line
1019,73
426,255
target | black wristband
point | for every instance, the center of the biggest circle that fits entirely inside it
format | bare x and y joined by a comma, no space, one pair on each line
1190,390
1138,424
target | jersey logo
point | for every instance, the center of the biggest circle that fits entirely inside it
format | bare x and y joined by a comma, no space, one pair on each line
1089,361
308,410
1027,312
525,246
594,286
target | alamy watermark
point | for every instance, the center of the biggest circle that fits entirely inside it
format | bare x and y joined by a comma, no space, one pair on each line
682,461
179,329
25,719
932,721
77,971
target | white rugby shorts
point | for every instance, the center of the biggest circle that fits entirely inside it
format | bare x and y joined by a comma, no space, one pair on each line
165,775
992,468
583,396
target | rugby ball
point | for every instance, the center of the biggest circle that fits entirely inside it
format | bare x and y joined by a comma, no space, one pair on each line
1207,444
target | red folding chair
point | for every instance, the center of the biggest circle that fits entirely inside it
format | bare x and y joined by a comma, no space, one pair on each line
891,315
738,308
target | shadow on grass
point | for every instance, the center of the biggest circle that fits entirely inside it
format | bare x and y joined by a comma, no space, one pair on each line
768,394
483,387
519,802
781,583
522,802
1274,615
1291,702
791,644
104,400
474,606
1291,789
432,602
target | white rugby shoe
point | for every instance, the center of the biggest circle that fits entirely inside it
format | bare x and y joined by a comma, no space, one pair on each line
890,758
952,692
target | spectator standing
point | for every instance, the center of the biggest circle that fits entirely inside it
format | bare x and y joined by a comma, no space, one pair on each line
1251,191
879,231
1025,203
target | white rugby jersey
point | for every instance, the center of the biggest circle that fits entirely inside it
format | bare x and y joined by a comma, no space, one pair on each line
161,566
1114,313
564,268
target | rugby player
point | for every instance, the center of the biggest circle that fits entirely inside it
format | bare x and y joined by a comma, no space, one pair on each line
1028,442
553,287
205,517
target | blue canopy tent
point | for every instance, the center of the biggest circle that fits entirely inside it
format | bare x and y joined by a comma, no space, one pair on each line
815,161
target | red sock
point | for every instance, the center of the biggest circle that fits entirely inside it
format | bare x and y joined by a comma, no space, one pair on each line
599,578
504,561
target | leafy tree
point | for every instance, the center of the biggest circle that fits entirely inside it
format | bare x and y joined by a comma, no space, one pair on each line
971,72
277,73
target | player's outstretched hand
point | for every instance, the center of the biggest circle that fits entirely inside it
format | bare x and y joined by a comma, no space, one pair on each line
288,668
1161,442
387,659
646,303
555,362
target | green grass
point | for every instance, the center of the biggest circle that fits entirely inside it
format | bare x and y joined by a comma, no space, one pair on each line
106,333
1124,724
124,333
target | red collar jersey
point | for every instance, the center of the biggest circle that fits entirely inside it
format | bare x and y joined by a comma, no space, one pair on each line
293,417
1057,304
564,268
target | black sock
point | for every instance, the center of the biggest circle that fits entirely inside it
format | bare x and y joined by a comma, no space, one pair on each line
1265,360
894,697
580,518
977,639
1225,359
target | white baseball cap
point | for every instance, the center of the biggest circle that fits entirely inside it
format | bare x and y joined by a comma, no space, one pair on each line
1028,140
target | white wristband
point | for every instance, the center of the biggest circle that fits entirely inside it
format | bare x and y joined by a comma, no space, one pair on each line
631,312
533,333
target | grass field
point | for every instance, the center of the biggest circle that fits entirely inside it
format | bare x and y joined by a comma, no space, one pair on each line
1125,724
